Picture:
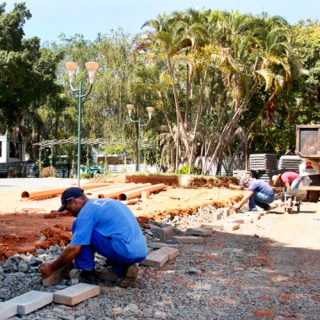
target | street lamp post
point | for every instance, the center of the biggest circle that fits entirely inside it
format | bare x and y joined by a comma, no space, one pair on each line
150,111
92,67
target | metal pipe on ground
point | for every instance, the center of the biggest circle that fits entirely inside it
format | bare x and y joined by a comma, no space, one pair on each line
99,190
51,192
137,193
107,187
115,192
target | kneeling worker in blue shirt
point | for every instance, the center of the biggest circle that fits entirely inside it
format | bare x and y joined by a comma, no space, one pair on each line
259,193
105,226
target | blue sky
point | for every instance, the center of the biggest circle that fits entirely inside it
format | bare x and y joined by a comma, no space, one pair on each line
50,18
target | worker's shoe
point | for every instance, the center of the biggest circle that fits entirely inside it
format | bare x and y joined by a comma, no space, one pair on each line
129,277
88,276
108,274
127,282
133,271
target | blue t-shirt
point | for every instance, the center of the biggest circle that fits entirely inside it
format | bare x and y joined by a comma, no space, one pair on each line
260,186
113,219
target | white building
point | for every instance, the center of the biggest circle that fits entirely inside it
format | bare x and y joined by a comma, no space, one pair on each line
11,150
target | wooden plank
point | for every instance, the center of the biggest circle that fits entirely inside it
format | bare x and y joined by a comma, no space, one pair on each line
310,188
313,195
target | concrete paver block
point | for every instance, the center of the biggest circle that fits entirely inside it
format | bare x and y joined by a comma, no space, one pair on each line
165,233
189,239
156,259
235,220
216,216
31,301
58,275
231,226
172,252
200,232
226,212
7,310
157,245
76,294
213,226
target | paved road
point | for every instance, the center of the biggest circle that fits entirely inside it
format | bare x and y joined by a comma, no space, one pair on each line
37,183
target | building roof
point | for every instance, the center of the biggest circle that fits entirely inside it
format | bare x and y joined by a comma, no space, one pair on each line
88,141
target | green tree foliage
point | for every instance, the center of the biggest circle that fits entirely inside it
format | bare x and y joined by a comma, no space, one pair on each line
104,110
218,64
27,74
223,85
307,40
298,102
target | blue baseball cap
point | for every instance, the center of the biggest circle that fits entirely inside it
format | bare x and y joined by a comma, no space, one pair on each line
69,194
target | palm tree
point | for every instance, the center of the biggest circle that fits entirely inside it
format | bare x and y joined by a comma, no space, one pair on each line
165,47
216,62
258,50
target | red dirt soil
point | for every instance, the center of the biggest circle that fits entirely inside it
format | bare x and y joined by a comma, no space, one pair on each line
26,225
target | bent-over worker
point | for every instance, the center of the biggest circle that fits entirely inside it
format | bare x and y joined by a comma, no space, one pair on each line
291,180
259,193
105,226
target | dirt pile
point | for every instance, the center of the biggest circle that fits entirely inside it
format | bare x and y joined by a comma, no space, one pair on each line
23,233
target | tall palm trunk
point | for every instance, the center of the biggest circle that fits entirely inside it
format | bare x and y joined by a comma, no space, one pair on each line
178,109
213,137
199,114
229,128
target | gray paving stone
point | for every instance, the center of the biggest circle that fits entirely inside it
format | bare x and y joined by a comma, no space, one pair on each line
172,252
7,310
212,226
216,216
76,294
200,232
31,301
165,233
156,259
157,245
189,239
231,226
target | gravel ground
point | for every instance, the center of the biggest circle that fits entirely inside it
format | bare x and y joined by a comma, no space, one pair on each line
230,276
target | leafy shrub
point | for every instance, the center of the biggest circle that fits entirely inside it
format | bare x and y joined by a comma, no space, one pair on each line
49,172
185,170
85,175
15,169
